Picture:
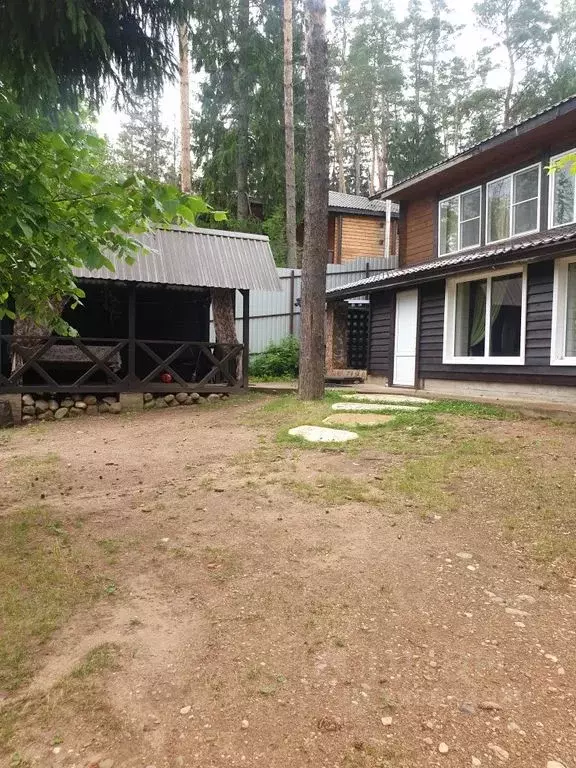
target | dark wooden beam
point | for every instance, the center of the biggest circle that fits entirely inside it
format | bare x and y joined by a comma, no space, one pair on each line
132,333
245,336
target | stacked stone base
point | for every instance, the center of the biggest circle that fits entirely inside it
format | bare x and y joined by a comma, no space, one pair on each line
41,407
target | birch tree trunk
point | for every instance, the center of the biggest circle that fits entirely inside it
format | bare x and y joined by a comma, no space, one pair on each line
185,172
289,163
312,342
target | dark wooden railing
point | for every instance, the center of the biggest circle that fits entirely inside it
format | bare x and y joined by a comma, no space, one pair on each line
75,364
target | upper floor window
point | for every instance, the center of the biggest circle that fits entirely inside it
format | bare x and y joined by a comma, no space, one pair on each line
460,221
513,204
562,194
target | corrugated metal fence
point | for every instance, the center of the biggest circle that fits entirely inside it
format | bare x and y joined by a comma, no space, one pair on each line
273,316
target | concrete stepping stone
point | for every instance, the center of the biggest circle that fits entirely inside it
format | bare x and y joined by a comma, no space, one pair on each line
322,434
373,407
359,419
387,399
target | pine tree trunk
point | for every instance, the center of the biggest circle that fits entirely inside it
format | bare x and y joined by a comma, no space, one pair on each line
312,344
290,163
185,172
224,315
357,160
243,113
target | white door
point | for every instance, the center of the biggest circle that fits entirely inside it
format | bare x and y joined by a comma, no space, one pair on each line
406,328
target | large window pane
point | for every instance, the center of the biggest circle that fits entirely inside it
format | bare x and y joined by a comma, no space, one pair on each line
526,184
470,320
471,205
506,316
525,217
570,350
449,225
498,193
563,212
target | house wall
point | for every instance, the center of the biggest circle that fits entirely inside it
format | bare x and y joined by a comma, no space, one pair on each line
416,231
536,370
419,216
381,329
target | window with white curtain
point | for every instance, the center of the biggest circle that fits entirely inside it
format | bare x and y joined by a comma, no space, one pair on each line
459,221
513,204
485,318
563,349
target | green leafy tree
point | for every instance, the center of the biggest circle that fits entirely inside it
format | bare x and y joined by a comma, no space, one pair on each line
58,213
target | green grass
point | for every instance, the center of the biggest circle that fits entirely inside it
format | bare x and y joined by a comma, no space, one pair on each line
42,583
102,658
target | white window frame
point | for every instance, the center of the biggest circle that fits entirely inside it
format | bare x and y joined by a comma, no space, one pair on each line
448,356
559,307
513,204
551,224
460,221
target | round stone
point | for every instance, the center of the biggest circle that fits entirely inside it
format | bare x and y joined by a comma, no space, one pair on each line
322,434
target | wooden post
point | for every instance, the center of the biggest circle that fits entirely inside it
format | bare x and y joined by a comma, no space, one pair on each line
132,333
245,336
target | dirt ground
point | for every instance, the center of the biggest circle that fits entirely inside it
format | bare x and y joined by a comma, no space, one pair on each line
226,597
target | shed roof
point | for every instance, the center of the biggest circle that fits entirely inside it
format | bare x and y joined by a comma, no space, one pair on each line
537,120
341,201
209,258
513,250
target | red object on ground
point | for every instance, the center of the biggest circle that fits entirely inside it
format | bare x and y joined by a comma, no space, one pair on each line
166,378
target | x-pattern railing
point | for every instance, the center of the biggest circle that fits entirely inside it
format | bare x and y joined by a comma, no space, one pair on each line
115,359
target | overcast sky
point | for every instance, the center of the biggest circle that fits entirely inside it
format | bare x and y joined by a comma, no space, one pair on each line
461,14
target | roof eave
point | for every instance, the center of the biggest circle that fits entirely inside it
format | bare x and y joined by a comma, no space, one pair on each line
501,138
361,212
537,253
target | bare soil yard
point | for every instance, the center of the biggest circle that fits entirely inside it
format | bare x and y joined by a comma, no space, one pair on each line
191,587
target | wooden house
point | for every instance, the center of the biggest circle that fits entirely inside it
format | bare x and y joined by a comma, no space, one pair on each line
356,228
484,297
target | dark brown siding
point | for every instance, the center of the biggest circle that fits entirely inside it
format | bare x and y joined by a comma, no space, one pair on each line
417,231
537,369
380,333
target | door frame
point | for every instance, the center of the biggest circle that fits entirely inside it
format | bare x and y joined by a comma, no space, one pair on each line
394,337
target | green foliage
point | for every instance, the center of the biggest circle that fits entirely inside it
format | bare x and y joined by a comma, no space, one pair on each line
60,209
279,361
67,51
275,228
144,146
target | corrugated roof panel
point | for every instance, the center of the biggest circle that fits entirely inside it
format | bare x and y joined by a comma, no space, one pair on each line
358,203
549,237
197,257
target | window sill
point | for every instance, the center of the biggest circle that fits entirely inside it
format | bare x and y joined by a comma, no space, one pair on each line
457,253
513,237
482,361
564,361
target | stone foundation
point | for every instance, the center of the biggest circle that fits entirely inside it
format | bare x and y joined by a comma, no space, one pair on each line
43,407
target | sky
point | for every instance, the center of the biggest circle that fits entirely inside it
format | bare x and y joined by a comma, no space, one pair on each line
471,39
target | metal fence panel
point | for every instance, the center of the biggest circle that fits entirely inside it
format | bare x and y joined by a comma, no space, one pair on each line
274,315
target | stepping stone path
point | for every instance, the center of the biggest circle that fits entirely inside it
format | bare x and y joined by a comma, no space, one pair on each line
322,434
387,399
358,419
372,407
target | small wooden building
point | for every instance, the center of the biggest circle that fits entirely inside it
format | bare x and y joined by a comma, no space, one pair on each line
145,327
356,228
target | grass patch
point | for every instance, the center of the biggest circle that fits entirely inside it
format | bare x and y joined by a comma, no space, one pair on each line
473,410
334,489
41,584
100,659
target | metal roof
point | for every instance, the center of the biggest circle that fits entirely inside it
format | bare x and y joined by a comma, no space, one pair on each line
447,265
197,257
358,203
550,113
